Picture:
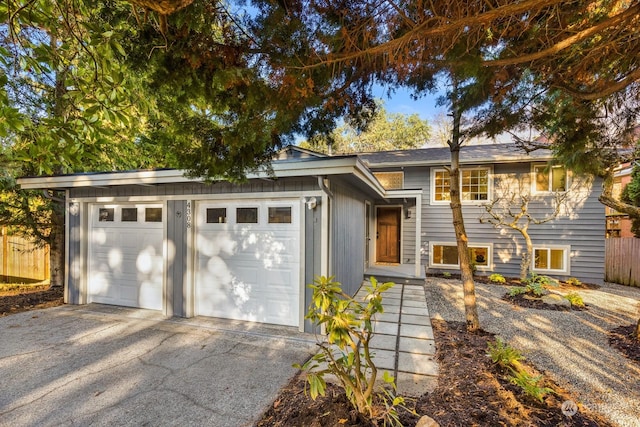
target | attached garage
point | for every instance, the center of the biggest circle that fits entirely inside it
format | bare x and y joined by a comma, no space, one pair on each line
165,241
248,260
125,255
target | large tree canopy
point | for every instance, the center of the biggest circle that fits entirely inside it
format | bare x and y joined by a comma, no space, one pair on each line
386,131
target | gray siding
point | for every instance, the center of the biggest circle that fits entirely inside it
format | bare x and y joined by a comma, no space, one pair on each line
177,265
581,227
312,255
74,269
194,189
347,236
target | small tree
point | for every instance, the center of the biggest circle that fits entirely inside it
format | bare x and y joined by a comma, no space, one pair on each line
511,210
347,328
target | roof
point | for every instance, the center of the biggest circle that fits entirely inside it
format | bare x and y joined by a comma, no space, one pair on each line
472,154
307,166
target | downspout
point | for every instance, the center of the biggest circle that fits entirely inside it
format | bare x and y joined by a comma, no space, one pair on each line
46,195
325,231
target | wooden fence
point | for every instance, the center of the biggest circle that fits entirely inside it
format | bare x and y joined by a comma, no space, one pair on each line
622,261
22,260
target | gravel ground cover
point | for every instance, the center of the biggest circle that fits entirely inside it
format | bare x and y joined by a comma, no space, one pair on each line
571,346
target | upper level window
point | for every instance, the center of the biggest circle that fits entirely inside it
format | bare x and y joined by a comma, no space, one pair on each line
390,180
474,185
549,179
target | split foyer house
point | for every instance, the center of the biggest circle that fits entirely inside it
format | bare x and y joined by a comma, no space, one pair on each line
159,240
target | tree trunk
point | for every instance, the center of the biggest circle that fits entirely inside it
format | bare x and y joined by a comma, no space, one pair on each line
638,330
466,272
527,256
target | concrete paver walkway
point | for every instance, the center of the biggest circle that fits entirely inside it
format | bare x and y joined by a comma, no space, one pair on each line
403,343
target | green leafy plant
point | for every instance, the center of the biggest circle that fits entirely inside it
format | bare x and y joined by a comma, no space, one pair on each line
497,278
530,384
574,299
446,275
517,290
347,327
510,358
572,281
535,284
503,354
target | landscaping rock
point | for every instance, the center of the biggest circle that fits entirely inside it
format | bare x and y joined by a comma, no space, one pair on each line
427,421
555,299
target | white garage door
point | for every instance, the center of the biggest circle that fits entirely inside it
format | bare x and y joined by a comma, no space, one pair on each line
125,255
249,261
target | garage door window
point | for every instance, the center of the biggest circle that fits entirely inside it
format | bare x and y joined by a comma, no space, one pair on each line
280,215
129,214
106,214
216,215
247,215
153,215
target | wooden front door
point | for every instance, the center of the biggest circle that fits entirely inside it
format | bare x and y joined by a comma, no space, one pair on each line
388,234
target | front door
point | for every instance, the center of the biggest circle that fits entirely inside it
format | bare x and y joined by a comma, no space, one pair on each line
388,234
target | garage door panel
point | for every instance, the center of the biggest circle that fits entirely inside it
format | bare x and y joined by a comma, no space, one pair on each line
126,263
248,271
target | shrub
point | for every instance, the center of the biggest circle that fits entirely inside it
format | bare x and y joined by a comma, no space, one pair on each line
344,350
529,384
497,278
535,284
503,354
517,290
446,275
572,281
509,358
574,299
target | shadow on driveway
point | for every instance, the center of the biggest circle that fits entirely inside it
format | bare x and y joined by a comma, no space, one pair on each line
100,365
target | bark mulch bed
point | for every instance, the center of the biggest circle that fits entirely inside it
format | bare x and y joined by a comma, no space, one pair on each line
623,339
23,300
471,391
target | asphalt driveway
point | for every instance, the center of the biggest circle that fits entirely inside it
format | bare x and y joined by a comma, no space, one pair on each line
100,365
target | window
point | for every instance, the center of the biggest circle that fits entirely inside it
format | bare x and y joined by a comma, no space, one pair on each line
442,186
474,185
549,179
152,214
445,255
216,215
106,214
280,215
129,214
391,180
247,215
551,259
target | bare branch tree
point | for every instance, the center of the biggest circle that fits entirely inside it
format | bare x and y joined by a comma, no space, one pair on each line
511,210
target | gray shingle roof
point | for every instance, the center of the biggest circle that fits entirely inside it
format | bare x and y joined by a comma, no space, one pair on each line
473,154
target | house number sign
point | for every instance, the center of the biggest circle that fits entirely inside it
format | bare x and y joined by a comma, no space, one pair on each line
188,215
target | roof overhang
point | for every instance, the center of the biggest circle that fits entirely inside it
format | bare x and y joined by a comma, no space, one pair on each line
306,167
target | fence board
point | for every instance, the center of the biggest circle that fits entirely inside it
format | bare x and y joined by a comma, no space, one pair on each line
23,260
622,261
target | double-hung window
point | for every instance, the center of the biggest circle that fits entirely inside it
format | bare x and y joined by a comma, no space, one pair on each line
549,179
475,185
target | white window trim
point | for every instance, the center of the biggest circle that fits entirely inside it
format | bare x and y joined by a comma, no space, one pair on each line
432,186
566,259
534,189
488,246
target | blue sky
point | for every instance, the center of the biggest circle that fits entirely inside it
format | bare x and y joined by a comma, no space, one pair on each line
401,102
